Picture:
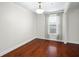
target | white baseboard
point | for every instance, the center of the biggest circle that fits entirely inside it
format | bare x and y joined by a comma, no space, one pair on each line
5,51
52,39
65,42
74,42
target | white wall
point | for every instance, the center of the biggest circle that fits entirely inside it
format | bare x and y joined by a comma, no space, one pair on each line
17,25
41,26
73,27
65,23
70,24
60,26
65,28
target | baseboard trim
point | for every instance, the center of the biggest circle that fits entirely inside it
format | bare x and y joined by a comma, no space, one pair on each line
73,42
52,39
65,42
7,50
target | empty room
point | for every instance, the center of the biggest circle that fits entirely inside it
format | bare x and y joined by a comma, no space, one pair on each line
39,29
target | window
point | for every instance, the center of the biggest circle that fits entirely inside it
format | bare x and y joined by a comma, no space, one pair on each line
53,22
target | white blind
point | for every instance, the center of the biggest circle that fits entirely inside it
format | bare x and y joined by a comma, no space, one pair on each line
53,22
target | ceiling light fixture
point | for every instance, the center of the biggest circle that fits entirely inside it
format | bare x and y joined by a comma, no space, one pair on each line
39,10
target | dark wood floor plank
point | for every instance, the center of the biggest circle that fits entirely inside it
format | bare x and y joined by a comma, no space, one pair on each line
45,48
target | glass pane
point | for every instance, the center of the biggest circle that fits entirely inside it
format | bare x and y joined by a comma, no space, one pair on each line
52,23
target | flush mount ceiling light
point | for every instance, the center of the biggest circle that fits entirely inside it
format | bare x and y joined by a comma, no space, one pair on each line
39,10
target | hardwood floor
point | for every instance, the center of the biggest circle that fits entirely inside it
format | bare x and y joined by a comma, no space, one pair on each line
45,48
